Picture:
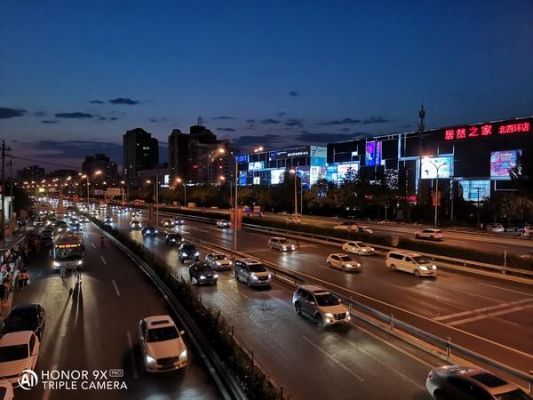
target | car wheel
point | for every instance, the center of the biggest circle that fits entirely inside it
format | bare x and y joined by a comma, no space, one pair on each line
417,273
393,267
298,308
318,319
236,276
192,278
249,282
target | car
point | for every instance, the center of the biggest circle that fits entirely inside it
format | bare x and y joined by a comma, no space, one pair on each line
470,383
281,244
325,308
18,351
149,231
75,227
61,226
108,220
162,344
25,317
47,240
343,262
364,229
413,263
527,231
173,238
495,228
218,261
37,223
359,248
346,226
188,252
6,391
222,223
167,223
292,220
83,219
430,234
178,222
252,272
202,273
135,224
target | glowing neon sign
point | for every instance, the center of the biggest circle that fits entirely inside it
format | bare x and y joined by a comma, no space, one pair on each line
486,130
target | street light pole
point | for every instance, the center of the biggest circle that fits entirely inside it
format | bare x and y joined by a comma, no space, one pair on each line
156,183
436,200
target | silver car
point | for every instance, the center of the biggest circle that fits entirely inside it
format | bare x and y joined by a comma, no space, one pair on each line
252,272
319,304
343,262
281,244
218,261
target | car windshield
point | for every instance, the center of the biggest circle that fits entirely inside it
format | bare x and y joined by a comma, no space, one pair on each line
517,394
345,258
421,260
327,300
257,268
204,267
219,257
282,241
19,316
161,334
173,236
12,353
189,248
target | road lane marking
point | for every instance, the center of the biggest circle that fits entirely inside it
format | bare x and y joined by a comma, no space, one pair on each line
116,287
509,290
132,355
489,315
103,260
482,309
94,246
340,364
46,393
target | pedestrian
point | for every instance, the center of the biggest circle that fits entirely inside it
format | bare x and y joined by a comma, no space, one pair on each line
20,279
25,277
63,272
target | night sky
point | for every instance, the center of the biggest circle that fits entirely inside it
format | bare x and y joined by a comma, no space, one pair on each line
74,76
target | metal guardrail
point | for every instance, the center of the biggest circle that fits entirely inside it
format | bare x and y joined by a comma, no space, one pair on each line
387,323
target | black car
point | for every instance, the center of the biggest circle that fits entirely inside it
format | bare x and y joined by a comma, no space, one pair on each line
61,226
149,231
25,317
173,238
188,252
202,273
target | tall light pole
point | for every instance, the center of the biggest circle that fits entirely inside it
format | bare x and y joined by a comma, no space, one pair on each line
436,200
85,176
295,173
179,180
156,190
222,151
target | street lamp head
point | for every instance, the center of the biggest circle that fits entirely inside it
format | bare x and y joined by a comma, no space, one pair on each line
84,176
69,178
221,150
222,178
292,171
122,182
96,173
178,180
148,181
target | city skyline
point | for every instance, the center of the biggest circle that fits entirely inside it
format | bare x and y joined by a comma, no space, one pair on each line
335,77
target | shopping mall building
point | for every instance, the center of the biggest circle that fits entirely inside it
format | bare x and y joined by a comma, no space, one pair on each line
477,156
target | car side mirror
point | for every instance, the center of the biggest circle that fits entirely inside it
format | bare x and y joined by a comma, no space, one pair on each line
182,332
312,303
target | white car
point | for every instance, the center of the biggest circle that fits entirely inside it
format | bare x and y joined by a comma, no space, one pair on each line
495,228
167,223
18,351
218,261
178,221
410,262
359,248
162,344
222,223
347,226
528,231
319,304
281,244
6,390
430,234
135,224
343,262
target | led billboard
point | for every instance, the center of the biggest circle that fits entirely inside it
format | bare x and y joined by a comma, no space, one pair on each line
501,163
373,153
255,166
432,165
277,176
475,190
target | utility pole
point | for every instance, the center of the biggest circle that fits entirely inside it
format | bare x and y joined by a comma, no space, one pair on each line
421,115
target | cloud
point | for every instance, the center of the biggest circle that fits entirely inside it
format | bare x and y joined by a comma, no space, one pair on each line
96,101
344,121
222,117
324,137
75,148
49,121
226,129
39,114
346,129
251,121
376,120
74,115
281,114
6,112
294,122
269,121
124,100
255,140
294,93
156,120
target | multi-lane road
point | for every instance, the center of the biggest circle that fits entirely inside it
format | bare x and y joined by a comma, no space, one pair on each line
95,327
493,317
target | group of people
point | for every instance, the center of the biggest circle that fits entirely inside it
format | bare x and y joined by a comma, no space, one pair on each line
14,272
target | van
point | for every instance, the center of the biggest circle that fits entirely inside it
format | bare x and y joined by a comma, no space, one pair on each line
410,262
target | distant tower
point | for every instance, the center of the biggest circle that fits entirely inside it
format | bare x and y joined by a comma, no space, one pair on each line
421,115
200,121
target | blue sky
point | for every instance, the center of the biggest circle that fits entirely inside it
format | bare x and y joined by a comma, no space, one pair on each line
74,76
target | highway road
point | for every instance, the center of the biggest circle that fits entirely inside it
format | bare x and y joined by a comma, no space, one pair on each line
342,362
95,328
490,316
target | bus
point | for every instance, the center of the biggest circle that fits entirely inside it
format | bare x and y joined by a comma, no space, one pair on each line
68,251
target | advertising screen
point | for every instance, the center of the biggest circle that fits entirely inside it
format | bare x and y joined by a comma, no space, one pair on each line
243,178
432,165
166,181
242,158
475,190
331,173
501,162
277,176
257,165
373,153
257,180
342,169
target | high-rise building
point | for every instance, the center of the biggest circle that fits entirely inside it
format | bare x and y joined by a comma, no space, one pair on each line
141,151
178,143
101,162
31,173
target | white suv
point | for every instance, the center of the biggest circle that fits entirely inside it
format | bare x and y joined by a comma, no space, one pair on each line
410,262
430,234
281,244
319,304
18,351
162,344
358,248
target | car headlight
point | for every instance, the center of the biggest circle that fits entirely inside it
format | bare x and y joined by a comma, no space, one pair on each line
217,263
348,265
254,277
215,276
184,254
172,240
150,360
156,231
358,264
328,315
196,253
230,263
423,268
55,264
202,276
80,262
433,267
183,355
269,275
